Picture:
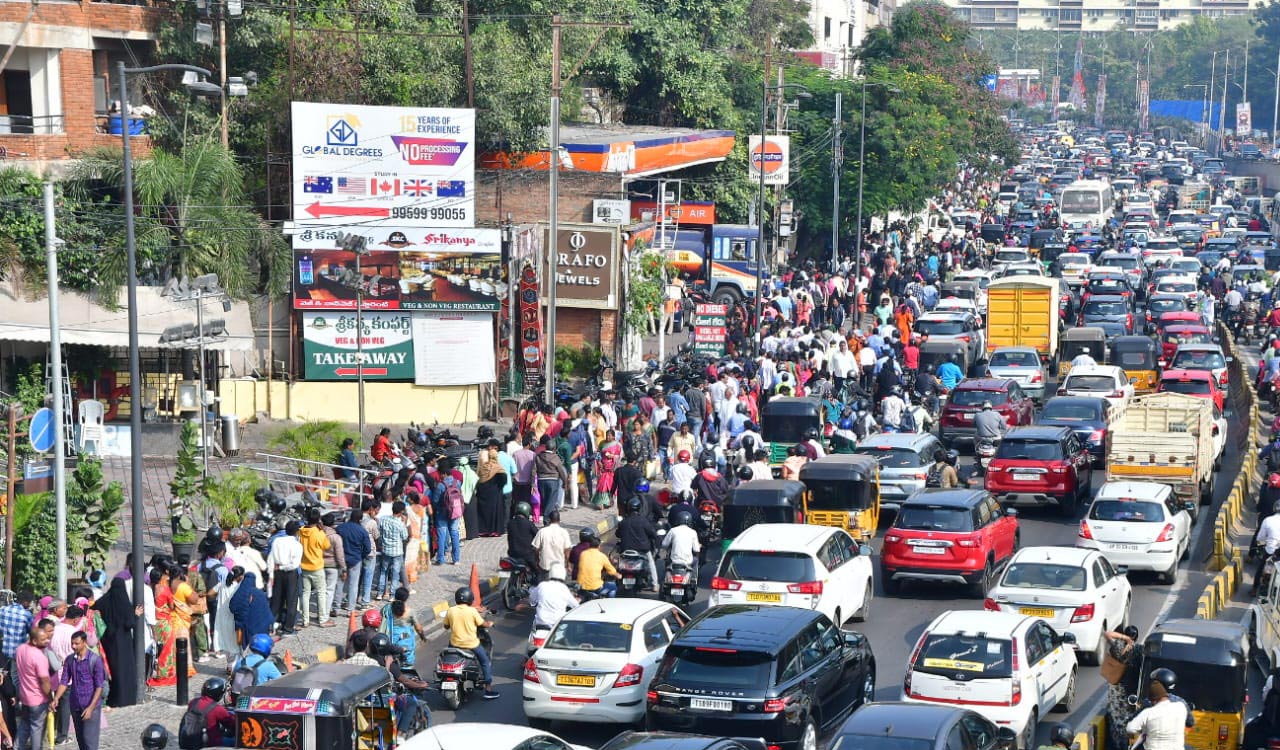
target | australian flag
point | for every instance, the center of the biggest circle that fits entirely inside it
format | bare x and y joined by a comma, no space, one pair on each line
451,189
314,184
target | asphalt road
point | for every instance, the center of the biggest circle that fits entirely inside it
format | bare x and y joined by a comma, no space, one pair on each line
893,627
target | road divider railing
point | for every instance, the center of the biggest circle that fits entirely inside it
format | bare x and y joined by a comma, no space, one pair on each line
1227,560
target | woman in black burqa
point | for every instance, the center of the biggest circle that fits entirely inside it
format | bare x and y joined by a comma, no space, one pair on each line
120,617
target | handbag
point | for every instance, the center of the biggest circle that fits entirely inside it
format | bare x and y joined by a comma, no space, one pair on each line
1112,669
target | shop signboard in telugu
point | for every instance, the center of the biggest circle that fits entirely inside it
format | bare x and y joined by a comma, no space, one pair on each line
710,333
383,166
330,349
405,268
586,266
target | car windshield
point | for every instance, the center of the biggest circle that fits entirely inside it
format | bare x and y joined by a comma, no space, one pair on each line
753,565
913,517
1073,260
1126,510
892,458
1121,261
1177,287
1026,449
878,742
1069,411
1045,576
585,635
1106,307
1014,359
1090,383
1157,306
976,655
1107,286
975,397
940,327
1198,360
1009,256
1189,387
719,668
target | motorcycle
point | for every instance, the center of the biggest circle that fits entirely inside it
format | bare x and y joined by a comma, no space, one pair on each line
633,573
985,450
538,636
712,522
516,579
679,584
458,670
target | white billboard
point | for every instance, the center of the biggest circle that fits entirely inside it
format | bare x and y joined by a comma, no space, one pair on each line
776,159
1244,120
383,166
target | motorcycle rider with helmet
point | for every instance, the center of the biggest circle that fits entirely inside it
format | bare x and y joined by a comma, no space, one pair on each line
387,655
1268,537
683,472
219,721
463,621
636,533
370,625
1163,724
682,545
949,372
551,598
1060,738
520,533
813,444
710,484
989,424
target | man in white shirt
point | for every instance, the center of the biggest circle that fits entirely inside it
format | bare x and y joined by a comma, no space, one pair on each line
551,598
759,467
1163,724
242,553
552,543
842,363
283,563
1269,540
891,409
682,473
682,545
1084,360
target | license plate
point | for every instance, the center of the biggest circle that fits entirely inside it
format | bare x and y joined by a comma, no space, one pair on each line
1037,611
448,686
1124,547
677,592
708,704
629,581
758,596
929,550
576,680
966,417
1020,477
504,575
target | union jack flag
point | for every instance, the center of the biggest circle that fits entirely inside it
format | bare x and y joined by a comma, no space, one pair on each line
418,187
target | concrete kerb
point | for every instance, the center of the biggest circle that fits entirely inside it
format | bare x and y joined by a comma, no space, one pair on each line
488,590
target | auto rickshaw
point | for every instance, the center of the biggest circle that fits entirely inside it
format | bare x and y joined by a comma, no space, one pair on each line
762,501
1139,357
785,419
1076,341
1211,660
324,707
1049,253
844,491
936,352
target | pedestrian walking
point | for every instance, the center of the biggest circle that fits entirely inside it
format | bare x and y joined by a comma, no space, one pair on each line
35,689
80,688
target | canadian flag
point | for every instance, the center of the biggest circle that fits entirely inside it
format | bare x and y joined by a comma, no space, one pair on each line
379,186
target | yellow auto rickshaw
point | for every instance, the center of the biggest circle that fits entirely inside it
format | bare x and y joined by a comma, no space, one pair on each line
1076,341
1139,357
1211,660
784,421
844,491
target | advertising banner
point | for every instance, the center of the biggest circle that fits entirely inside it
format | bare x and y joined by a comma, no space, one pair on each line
383,166
710,333
586,266
1244,119
404,269
454,349
329,346
776,157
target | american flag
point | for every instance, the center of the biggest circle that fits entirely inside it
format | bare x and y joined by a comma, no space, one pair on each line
352,185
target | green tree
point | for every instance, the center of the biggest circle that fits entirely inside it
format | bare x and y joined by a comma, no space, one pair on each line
35,547
93,511
316,441
186,486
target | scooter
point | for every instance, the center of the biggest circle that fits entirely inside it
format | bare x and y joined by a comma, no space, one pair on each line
458,670
679,584
985,450
538,636
516,579
633,573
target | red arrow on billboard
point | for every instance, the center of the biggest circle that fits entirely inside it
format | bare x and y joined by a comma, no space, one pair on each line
345,372
317,210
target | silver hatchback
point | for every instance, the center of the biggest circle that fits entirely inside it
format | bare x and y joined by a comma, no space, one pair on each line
1020,363
904,458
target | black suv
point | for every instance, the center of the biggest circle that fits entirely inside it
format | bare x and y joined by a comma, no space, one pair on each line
920,726
781,673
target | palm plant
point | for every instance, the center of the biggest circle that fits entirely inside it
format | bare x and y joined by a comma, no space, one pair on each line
192,218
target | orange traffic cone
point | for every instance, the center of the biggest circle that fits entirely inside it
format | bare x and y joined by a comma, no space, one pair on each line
475,583
288,660
352,624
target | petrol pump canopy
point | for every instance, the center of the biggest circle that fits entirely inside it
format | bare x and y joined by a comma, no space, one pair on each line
628,150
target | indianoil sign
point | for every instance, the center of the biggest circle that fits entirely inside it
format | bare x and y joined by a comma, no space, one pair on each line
586,263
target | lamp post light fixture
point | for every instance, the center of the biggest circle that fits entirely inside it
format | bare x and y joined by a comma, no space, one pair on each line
862,158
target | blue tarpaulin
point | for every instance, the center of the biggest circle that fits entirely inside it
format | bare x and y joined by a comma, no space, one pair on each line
1187,109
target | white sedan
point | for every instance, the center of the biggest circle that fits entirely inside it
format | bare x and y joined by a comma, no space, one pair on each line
1139,526
1074,590
491,736
596,664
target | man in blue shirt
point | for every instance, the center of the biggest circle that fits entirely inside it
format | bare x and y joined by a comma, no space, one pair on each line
679,408
783,303
15,624
347,458
257,659
949,373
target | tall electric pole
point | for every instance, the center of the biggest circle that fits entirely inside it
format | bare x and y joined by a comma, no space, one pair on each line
837,163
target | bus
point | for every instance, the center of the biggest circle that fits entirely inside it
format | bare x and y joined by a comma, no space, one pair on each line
1086,203
722,255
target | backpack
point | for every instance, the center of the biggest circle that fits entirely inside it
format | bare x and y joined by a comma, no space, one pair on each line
244,677
191,730
453,497
934,477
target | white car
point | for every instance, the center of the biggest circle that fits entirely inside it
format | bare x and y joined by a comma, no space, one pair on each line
1075,590
1011,255
1104,381
1011,668
796,565
597,662
489,735
958,304
1075,267
1138,526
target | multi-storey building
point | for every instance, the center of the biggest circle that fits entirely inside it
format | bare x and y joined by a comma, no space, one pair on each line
1093,15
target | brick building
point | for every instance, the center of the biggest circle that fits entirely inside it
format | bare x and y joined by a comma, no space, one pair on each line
57,86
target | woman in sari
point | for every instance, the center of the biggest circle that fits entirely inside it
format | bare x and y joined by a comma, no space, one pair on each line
610,456
224,624
173,621
251,608
119,617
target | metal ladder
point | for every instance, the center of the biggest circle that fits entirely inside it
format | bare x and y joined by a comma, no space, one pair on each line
68,410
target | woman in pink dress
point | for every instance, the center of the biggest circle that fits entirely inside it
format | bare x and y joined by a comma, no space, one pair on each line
607,462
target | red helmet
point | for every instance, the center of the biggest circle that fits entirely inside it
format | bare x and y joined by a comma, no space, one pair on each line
684,457
1274,480
371,619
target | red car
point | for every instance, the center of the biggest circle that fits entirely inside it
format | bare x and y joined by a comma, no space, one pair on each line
1040,465
966,400
1175,335
1193,383
949,536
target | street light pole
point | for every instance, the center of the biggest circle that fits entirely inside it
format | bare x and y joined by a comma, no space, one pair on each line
764,114
837,162
135,356
862,158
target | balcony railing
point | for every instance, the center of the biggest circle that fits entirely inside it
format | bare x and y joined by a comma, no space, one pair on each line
31,125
